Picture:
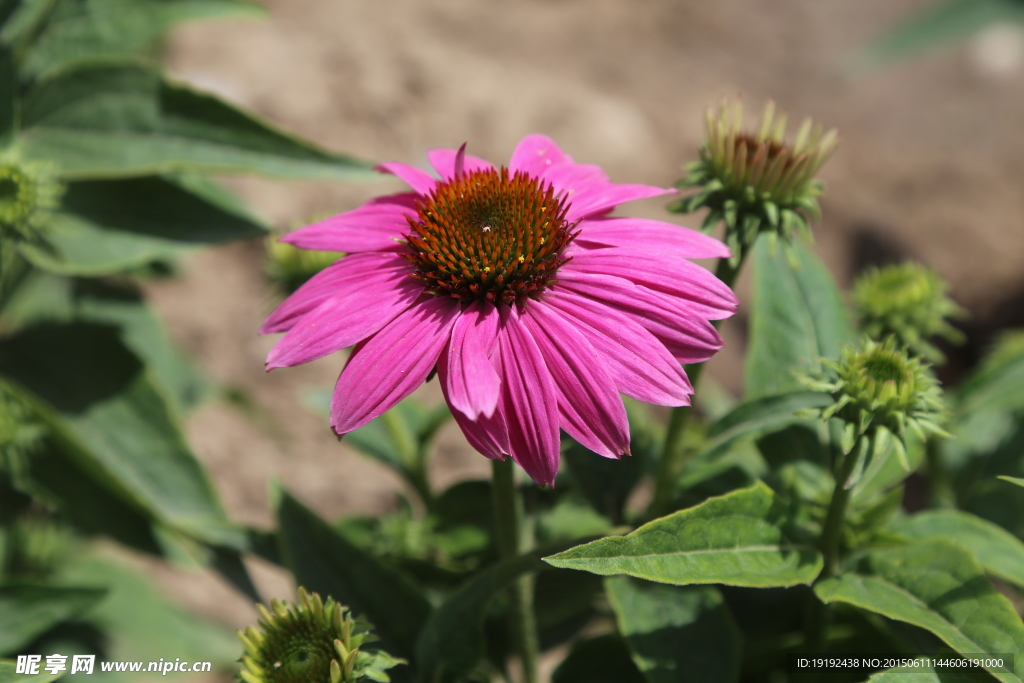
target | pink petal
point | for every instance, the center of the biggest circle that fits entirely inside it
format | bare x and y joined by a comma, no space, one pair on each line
416,178
640,364
473,383
590,407
596,201
529,401
690,339
391,364
488,435
343,320
535,154
444,161
374,226
641,233
370,271
710,297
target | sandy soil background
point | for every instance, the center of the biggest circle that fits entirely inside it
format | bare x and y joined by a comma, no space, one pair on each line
931,166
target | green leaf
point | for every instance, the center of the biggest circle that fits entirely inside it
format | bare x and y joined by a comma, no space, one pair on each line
1013,480
936,25
323,561
940,587
141,624
796,317
760,415
604,659
90,29
744,538
45,297
107,226
8,95
451,642
27,611
117,120
683,634
998,551
996,386
106,414
8,675
928,674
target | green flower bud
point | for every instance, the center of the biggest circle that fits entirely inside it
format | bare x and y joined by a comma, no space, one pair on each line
756,182
290,267
21,432
29,190
908,302
880,393
310,642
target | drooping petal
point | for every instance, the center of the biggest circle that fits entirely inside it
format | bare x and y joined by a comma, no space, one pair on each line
535,154
444,161
589,406
416,178
640,364
343,320
709,297
473,383
374,226
528,401
372,271
391,364
488,435
689,337
656,236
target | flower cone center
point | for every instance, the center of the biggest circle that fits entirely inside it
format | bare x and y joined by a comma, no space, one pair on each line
489,234
883,369
301,654
17,196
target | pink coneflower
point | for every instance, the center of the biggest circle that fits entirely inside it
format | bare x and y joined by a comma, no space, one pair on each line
535,307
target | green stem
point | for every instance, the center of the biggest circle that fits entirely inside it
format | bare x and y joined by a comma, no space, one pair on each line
832,532
830,544
508,516
673,455
943,494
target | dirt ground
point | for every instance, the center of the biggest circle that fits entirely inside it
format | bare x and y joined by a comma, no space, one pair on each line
931,166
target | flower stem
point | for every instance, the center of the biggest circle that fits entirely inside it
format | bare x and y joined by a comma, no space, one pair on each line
508,515
832,532
673,455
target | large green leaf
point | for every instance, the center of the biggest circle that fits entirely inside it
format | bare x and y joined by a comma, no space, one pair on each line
796,316
45,297
123,119
451,642
930,674
758,416
604,659
744,538
998,551
141,624
996,386
8,674
323,561
8,95
106,414
88,29
676,634
940,587
107,226
938,24
27,611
